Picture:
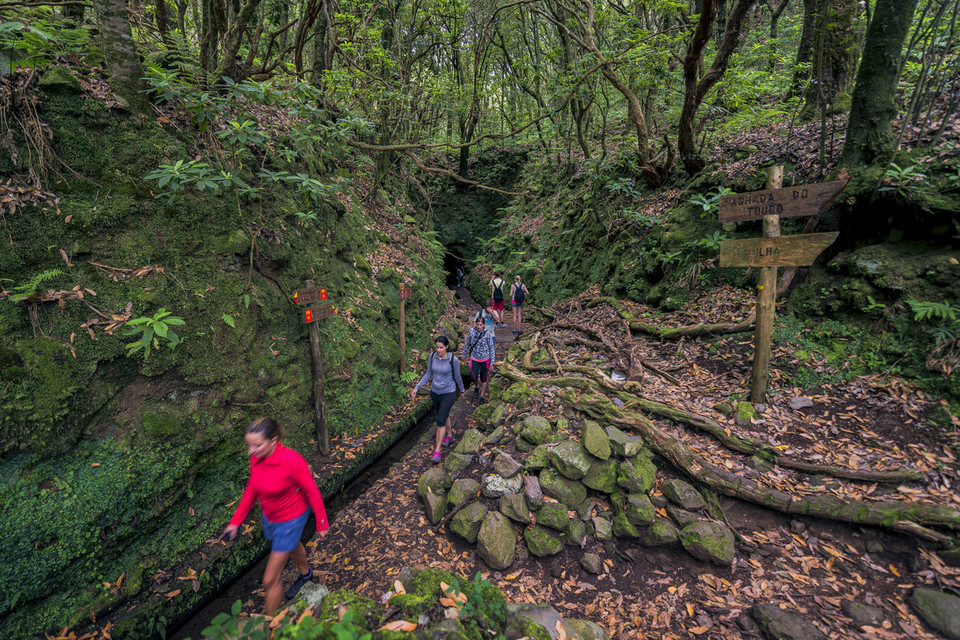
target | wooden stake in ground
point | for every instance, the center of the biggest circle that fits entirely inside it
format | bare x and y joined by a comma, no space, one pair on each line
772,251
306,296
404,294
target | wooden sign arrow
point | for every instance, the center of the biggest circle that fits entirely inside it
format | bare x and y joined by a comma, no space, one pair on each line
405,293
324,311
789,202
784,251
306,296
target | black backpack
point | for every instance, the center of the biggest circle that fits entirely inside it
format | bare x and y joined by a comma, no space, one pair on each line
497,291
518,293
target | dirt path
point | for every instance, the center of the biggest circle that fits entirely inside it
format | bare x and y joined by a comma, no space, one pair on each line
807,566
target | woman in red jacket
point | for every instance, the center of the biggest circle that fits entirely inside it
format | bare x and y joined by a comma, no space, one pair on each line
281,480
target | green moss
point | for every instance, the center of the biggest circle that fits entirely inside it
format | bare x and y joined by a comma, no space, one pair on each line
365,610
427,582
412,604
525,627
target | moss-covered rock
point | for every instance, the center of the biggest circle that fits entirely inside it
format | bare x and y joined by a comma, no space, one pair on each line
709,541
570,492
540,542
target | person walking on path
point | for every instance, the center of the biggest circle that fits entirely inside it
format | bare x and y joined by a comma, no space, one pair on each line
443,374
478,347
518,294
281,480
459,277
496,286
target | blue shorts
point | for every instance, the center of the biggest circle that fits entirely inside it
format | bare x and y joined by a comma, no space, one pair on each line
284,535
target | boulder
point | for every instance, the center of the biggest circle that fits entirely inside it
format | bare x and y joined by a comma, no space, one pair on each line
531,621
499,415
584,630
637,475
681,516
603,528
779,624
496,542
595,440
623,528
683,494
462,490
535,429
939,610
541,542
576,532
862,614
569,492
466,522
494,486
591,563
435,479
570,460
538,459
602,475
661,532
553,515
623,445
639,510
495,437
457,462
532,492
505,466
60,80
709,541
514,506
471,442
436,504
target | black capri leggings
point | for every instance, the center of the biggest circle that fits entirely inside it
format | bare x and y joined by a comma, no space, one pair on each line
443,402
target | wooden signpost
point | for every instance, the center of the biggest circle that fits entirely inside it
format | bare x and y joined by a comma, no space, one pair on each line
772,250
310,295
404,294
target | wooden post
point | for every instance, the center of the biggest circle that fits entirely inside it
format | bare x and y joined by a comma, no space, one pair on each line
319,400
403,333
766,302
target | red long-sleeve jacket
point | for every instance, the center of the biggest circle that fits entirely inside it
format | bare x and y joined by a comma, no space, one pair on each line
283,484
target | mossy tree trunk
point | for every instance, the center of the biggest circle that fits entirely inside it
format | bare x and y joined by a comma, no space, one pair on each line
805,49
120,51
834,54
869,131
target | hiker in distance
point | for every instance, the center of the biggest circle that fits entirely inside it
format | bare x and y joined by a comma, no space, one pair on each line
518,294
497,283
459,277
443,374
478,349
281,480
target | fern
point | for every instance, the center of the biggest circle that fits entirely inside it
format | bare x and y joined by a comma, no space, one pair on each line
29,289
943,311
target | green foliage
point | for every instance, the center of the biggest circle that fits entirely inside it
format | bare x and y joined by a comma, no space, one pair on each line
173,179
903,180
29,288
945,315
38,42
228,626
710,203
404,382
151,331
484,608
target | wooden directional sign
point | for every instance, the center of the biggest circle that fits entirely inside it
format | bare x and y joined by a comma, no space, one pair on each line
783,251
309,316
405,293
307,296
789,202
324,311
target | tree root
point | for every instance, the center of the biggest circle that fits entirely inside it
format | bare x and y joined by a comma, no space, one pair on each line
897,516
672,333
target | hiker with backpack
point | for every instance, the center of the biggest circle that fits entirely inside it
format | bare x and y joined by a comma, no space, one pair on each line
478,349
518,295
496,285
443,374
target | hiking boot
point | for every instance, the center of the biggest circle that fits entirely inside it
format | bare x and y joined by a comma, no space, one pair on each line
447,441
298,584
476,394
481,401
435,458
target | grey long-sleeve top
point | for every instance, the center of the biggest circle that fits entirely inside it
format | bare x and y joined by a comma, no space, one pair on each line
443,374
478,345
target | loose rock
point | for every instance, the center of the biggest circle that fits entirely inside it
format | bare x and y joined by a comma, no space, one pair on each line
496,542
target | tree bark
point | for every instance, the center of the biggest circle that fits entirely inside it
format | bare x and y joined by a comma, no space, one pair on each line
120,51
805,49
834,54
873,108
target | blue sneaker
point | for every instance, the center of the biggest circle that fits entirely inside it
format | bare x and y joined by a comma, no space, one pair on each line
298,584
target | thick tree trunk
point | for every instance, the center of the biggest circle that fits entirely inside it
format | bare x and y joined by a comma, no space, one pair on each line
805,49
120,51
834,54
873,108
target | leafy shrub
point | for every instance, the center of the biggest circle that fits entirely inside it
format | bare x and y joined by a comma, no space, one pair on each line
151,331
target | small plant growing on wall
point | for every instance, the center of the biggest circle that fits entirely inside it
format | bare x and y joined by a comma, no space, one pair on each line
152,331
